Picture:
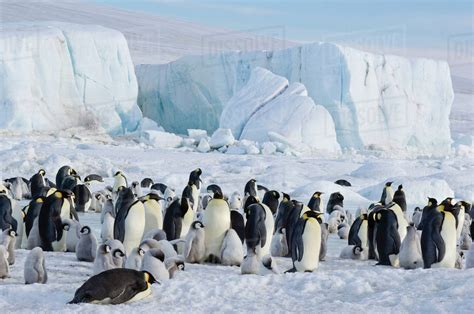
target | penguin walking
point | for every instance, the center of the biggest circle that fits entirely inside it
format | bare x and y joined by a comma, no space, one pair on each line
216,219
86,247
387,194
4,265
399,198
232,252
35,269
195,247
410,250
153,263
129,223
115,286
387,238
8,241
306,243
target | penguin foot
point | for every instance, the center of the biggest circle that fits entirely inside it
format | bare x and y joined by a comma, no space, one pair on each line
292,270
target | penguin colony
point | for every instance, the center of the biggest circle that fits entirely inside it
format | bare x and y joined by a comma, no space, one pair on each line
149,232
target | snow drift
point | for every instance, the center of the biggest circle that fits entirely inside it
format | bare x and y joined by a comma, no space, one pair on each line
59,75
376,101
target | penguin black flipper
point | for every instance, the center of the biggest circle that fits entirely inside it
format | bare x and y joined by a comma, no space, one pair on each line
438,239
237,223
7,219
94,177
262,229
297,244
255,230
353,238
262,188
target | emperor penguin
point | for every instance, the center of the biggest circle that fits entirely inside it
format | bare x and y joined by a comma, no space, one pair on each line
50,224
120,181
134,261
153,262
387,238
194,183
250,189
410,250
115,286
399,198
37,183
174,218
269,225
6,213
82,198
73,229
173,265
387,194
374,209
8,241
306,242
129,223
336,200
18,216
153,212
237,223
34,238
428,211
216,219
316,202
438,239
283,211
401,220
194,247
192,197
278,246
232,252
107,227
255,229
32,211
19,188
35,269
271,200
86,247
4,266
104,259
136,188
461,216
146,183
63,172
358,233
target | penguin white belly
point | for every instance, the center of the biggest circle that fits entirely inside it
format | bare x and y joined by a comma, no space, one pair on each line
461,218
216,220
195,193
448,233
134,226
107,229
87,206
119,181
232,250
402,222
153,215
187,221
312,245
269,225
141,295
363,234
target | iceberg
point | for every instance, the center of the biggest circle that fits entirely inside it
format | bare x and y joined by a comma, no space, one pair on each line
376,101
60,75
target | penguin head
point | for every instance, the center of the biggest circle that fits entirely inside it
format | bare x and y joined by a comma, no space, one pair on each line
357,250
135,184
105,249
85,230
12,233
313,214
197,225
42,172
140,251
118,173
148,277
214,189
118,253
249,201
400,187
71,172
432,201
180,264
286,197
388,184
317,194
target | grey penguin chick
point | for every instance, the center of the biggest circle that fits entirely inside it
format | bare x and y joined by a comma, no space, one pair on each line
174,265
35,270
279,246
86,248
8,241
343,231
194,247
104,259
4,267
118,259
410,250
153,262
134,261
354,252
232,252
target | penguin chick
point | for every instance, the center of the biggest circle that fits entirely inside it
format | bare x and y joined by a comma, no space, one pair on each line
235,201
343,231
173,265
35,270
136,188
410,250
270,264
153,262
86,247
354,252
134,261
8,241
232,251
73,233
104,259
156,234
4,267
279,246
117,246
194,247
466,241
459,264
250,264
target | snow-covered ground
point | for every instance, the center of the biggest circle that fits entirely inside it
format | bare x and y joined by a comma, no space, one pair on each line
338,285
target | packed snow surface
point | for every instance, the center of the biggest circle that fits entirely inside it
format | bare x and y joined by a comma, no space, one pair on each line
60,75
338,285
376,101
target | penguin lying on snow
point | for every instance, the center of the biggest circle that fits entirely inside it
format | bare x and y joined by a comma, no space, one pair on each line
354,252
115,286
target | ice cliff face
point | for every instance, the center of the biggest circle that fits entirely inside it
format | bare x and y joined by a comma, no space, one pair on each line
376,101
59,75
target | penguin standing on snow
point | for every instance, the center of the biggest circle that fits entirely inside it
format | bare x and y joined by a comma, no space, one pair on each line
120,181
35,270
32,211
115,286
410,250
129,223
6,219
358,233
255,237
232,252
387,238
316,203
194,247
83,197
306,243
73,229
153,212
216,219
86,248
387,194
399,198
174,218
50,224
